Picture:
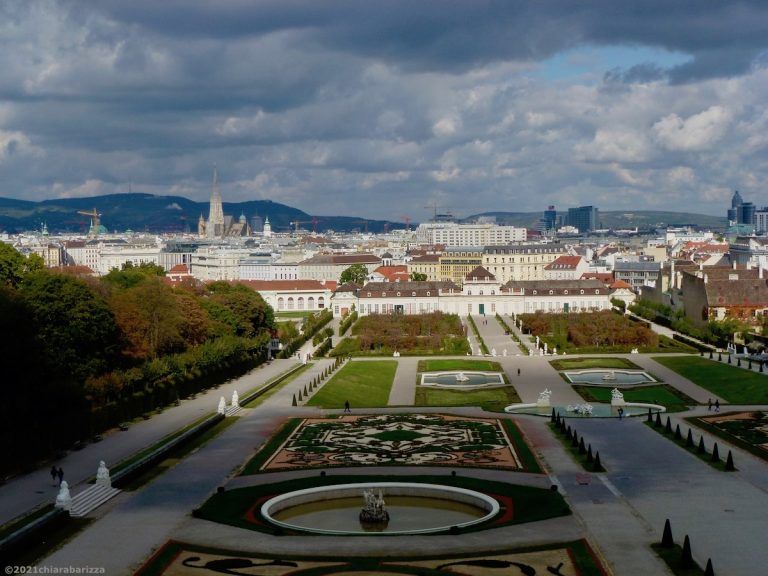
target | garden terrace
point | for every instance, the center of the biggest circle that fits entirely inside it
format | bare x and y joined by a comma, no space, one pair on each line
588,363
415,335
747,430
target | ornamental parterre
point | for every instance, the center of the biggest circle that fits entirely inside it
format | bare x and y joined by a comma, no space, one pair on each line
392,439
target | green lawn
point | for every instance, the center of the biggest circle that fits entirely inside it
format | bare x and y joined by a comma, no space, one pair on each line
364,384
735,385
491,399
466,365
587,363
672,399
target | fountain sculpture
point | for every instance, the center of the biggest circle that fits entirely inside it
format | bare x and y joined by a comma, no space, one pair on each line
374,511
581,409
611,375
544,398
460,377
617,398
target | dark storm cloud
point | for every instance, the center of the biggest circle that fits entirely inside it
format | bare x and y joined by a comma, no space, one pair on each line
362,106
454,35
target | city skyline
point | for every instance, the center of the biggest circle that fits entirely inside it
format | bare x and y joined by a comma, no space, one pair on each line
385,111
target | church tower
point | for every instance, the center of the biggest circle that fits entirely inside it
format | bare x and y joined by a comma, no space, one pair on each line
215,225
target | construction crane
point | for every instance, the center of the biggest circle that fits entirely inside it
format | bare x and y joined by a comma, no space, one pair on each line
407,220
434,205
95,219
386,227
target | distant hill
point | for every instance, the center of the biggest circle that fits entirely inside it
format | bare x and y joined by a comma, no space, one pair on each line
147,212
619,219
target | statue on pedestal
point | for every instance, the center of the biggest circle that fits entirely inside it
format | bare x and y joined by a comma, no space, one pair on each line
235,399
102,476
222,409
64,499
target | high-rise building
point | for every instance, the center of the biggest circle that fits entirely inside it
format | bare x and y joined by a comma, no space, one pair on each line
733,211
548,222
257,223
746,213
585,218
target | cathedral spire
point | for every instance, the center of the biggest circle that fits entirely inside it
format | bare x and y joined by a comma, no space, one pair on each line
215,225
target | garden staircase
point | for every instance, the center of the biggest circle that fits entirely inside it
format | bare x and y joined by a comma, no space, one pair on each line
90,499
232,410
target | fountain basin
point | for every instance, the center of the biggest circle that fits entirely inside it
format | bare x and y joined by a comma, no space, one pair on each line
598,410
609,377
414,508
463,380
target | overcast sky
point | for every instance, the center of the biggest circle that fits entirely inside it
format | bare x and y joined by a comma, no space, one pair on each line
382,108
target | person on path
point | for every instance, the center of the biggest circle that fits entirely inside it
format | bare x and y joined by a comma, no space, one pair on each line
54,474
60,475
518,371
346,406
709,405
717,405
621,413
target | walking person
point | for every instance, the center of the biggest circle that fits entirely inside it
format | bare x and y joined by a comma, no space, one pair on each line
60,475
518,371
54,474
346,407
709,405
621,413
717,405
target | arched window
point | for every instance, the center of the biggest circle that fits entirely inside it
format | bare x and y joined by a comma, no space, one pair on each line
280,303
320,302
311,303
300,303
290,302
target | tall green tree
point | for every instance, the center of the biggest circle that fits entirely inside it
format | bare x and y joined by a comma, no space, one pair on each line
130,275
73,324
357,273
418,276
14,265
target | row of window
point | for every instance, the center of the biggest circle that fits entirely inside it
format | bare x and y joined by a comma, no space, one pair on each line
288,304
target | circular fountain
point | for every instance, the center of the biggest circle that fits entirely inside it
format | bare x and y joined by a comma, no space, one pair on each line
411,508
463,380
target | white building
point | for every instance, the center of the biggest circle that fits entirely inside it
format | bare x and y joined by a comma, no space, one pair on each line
293,295
116,253
211,263
330,266
452,234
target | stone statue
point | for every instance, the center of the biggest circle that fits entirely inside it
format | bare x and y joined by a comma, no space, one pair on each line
544,398
545,348
461,377
617,398
374,510
493,352
64,499
582,409
102,476
235,399
222,406
554,351
537,341
504,352
610,375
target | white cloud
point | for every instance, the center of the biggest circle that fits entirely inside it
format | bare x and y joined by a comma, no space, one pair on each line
697,132
616,145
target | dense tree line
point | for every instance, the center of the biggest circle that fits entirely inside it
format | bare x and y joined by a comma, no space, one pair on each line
82,354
